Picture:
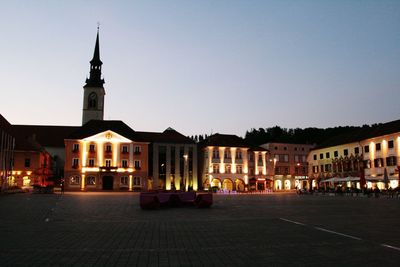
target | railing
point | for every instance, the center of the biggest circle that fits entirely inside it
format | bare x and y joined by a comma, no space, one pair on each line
107,168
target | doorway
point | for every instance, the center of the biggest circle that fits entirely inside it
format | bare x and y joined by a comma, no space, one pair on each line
108,182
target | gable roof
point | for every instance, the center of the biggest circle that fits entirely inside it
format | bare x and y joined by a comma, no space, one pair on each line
5,125
97,126
168,136
45,135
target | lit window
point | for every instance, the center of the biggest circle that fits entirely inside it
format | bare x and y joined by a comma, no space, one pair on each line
75,180
75,147
366,149
108,162
124,149
91,180
91,162
91,148
108,148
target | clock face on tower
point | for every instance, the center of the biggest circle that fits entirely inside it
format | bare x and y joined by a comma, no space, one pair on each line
92,100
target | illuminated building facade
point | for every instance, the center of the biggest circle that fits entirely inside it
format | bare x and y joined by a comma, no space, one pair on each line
341,162
370,152
7,145
227,162
382,156
288,164
106,155
172,160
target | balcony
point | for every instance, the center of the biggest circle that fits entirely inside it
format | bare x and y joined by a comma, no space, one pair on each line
108,168
239,160
137,152
215,160
227,160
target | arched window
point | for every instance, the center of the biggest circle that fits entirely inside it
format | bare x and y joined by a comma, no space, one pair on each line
75,180
92,100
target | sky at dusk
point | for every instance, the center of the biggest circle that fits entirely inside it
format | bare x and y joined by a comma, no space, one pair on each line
203,67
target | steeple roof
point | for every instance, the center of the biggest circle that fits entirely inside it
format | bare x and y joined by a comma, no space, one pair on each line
95,79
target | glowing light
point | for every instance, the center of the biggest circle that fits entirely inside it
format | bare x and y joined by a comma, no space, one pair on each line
83,182
29,172
130,182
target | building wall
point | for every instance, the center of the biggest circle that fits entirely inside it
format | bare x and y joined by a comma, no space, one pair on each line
380,153
171,169
288,164
30,168
7,144
77,176
233,168
93,113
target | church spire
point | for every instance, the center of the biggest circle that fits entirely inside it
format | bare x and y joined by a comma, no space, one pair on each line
95,66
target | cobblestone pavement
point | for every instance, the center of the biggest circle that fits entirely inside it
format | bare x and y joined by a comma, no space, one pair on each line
109,229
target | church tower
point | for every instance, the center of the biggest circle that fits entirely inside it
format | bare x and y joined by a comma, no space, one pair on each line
93,91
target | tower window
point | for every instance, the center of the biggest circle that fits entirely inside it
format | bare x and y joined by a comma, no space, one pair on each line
92,100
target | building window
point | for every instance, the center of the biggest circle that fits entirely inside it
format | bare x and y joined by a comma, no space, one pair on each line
124,149
378,163
124,163
227,168
315,156
295,149
378,147
239,169
215,169
124,180
75,147
227,154
75,162
328,167
356,150
137,164
27,163
136,181
284,148
391,161
91,180
302,149
108,148
137,150
108,162
327,155
321,156
277,170
215,153
91,148
75,180
346,152
336,154
315,169
238,154
367,164
390,144
276,148
366,149
91,162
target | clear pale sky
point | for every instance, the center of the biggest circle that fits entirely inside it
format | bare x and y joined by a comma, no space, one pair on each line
203,66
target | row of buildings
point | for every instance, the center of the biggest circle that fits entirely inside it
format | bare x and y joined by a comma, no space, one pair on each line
110,155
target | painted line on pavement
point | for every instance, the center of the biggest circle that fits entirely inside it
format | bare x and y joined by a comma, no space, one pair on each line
337,233
286,220
389,246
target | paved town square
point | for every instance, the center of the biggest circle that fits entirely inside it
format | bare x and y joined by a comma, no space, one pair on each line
280,229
